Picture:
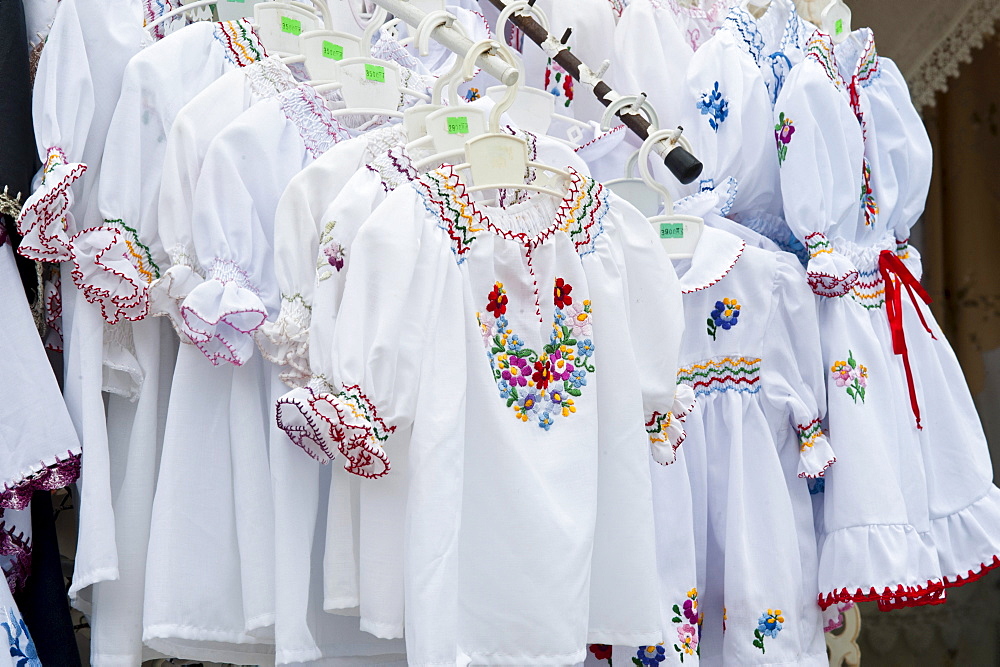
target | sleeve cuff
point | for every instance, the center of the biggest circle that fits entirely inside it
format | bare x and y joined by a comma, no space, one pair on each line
666,431
815,452
221,315
46,218
285,342
167,295
323,423
830,273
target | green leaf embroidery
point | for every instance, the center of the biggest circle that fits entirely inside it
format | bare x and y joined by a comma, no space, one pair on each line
850,360
573,391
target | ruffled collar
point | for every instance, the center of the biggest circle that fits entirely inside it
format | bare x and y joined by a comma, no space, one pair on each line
714,257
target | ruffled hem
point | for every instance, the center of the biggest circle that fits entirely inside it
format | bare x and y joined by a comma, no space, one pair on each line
285,342
968,541
830,273
897,565
46,217
47,477
221,318
324,423
167,295
113,269
666,432
16,547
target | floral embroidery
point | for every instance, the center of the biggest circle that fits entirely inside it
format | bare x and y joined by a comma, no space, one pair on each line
715,106
332,254
783,132
22,648
740,374
649,656
851,375
867,198
688,633
601,652
540,387
768,625
725,617
725,315
472,94
559,82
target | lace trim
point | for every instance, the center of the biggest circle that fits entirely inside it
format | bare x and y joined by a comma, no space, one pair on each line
48,477
113,269
10,206
45,217
18,548
305,108
943,62
285,342
889,598
269,77
240,42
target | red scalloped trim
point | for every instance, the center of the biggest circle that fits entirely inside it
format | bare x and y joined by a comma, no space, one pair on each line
739,253
210,335
50,208
49,478
898,598
821,473
355,442
824,284
984,569
113,308
19,549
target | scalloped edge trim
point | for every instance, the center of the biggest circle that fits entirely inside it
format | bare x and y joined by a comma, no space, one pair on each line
49,477
726,272
360,454
984,569
113,308
825,284
821,473
308,432
890,598
20,549
207,336
48,249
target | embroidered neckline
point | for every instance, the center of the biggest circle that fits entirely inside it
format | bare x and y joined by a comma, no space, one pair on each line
240,41
307,110
269,77
819,48
714,257
580,214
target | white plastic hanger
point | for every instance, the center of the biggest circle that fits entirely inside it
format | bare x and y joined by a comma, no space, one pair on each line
536,109
678,233
835,20
415,117
279,25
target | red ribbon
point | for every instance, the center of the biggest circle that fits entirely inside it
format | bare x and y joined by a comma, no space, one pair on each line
897,277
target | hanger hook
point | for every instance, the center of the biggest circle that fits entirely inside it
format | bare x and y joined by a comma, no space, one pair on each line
374,23
636,103
647,147
507,55
427,25
520,7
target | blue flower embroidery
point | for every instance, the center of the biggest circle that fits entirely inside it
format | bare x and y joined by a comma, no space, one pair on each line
725,316
715,106
22,648
768,625
649,656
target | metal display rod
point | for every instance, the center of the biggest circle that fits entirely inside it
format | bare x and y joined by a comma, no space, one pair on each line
684,166
451,39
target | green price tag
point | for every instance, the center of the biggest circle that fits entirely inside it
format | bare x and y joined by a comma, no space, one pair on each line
235,0
375,73
671,230
333,51
838,26
291,26
458,125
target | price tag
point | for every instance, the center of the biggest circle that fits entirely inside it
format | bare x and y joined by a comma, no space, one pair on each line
671,230
291,26
333,51
375,73
838,26
235,0
458,124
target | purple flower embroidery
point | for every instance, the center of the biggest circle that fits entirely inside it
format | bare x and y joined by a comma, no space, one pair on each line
783,132
517,372
335,255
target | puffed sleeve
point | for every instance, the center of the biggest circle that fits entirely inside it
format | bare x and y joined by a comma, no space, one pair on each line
820,155
242,177
63,107
792,374
299,223
396,279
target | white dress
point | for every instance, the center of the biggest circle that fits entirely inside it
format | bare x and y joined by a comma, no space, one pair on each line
876,542
478,276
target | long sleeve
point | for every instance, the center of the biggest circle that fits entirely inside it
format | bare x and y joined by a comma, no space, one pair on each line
792,372
821,155
389,299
